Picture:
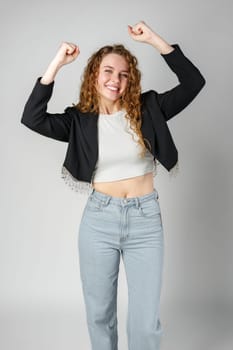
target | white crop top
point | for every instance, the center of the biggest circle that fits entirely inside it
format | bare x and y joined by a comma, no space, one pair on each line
119,151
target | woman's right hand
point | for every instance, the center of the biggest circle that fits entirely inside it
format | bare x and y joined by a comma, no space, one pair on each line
67,53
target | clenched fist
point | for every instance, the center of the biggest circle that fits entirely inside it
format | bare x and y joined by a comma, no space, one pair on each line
141,32
67,53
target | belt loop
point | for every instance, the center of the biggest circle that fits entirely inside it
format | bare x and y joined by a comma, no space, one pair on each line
137,202
91,194
107,200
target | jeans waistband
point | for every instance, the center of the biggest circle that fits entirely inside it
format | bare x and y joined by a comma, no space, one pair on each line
105,198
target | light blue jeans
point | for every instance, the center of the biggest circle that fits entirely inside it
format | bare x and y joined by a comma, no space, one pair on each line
131,227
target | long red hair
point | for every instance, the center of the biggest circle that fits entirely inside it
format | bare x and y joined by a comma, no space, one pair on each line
130,100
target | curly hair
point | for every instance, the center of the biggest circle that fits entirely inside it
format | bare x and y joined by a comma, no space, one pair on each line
130,100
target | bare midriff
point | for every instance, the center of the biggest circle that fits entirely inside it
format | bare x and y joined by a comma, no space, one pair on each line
126,188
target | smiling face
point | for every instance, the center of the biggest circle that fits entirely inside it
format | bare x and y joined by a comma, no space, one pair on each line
112,79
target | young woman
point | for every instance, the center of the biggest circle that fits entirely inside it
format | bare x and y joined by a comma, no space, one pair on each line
116,136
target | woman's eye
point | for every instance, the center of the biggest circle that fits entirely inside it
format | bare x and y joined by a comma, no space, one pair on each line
109,71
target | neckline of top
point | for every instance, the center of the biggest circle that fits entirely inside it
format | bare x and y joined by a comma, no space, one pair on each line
115,114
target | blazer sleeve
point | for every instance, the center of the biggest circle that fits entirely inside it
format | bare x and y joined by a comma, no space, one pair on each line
191,81
35,116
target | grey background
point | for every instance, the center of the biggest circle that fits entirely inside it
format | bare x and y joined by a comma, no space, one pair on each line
41,302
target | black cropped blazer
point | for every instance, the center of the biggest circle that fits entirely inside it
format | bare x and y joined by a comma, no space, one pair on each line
79,129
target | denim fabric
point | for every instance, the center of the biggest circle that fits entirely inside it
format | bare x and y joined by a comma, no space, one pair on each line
112,227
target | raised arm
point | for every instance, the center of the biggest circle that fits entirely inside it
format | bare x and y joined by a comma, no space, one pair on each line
191,80
35,115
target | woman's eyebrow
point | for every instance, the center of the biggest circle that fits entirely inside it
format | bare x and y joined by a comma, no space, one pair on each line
113,68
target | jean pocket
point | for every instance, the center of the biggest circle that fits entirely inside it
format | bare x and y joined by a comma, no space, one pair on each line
94,204
150,209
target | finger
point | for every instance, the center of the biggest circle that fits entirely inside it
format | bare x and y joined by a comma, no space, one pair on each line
130,29
77,49
71,49
72,46
76,52
133,31
137,29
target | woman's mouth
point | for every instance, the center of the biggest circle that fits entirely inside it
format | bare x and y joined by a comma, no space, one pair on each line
113,88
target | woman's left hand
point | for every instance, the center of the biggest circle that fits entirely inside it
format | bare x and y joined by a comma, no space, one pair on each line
141,32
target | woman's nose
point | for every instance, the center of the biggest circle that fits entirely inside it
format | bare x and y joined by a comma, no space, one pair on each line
115,78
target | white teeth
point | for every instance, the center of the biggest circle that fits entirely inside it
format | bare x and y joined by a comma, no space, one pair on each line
112,88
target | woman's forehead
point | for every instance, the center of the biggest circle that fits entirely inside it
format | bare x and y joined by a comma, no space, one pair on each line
113,59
